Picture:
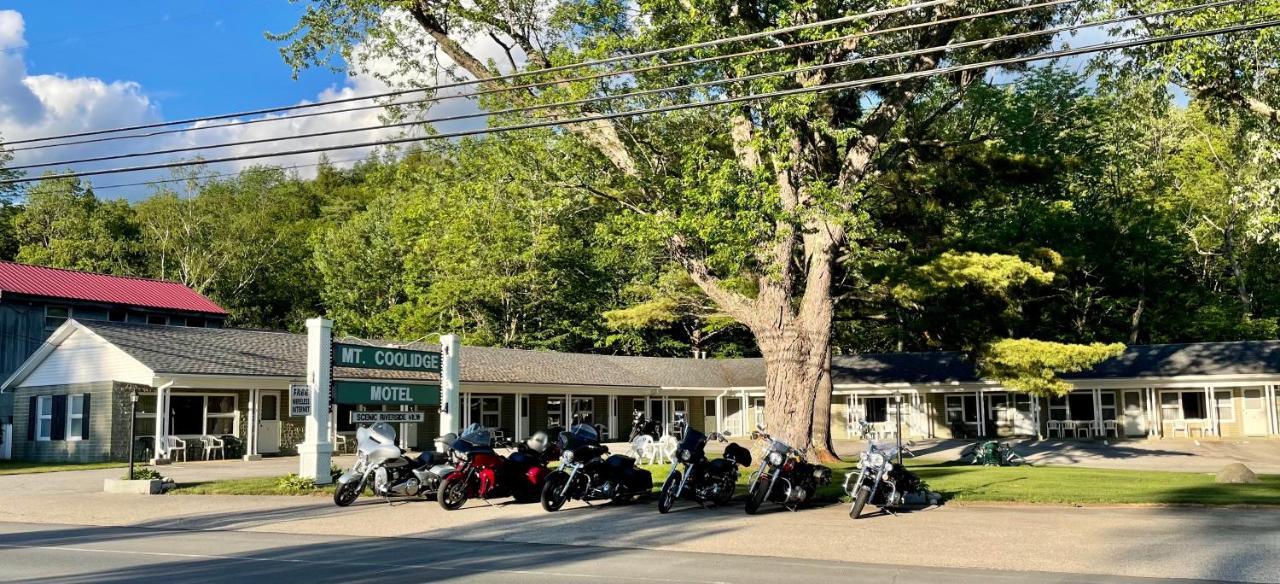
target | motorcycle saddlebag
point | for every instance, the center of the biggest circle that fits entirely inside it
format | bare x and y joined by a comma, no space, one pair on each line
619,463
639,480
821,475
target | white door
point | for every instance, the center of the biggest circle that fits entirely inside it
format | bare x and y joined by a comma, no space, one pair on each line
1024,421
709,415
268,422
1135,423
1255,413
757,404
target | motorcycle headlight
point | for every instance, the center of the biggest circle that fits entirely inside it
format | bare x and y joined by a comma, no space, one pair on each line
775,458
877,459
888,466
685,455
568,456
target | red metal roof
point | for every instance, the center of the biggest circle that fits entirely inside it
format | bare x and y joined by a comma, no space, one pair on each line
73,285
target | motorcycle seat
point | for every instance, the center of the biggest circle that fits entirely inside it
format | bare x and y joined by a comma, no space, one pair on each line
429,458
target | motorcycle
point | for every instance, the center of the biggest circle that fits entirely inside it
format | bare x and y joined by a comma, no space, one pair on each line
482,472
586,474
784,476
640,424
884,484
384,466
702,480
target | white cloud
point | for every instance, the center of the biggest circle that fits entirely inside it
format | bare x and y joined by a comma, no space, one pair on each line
36,105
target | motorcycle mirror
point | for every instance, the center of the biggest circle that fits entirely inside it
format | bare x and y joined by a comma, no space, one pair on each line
755,435
760,427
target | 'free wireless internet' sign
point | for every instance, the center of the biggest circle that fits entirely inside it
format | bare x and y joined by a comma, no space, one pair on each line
366,357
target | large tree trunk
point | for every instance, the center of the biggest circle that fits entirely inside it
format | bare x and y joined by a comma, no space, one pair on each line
823,448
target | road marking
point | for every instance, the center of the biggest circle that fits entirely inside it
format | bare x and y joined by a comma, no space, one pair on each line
593,577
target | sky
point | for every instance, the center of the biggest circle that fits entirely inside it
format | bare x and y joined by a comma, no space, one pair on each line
120,63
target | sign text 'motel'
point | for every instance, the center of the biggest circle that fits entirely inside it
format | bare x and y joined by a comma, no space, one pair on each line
363,356
386,392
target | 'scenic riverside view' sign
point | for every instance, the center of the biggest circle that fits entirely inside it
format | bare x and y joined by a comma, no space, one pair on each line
389,417
363,356
386,392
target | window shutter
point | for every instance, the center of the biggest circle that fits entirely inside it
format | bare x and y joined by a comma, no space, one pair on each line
84,421
31,418
59,430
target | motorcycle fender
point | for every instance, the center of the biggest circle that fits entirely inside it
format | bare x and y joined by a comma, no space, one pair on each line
536,475
349,476
452,474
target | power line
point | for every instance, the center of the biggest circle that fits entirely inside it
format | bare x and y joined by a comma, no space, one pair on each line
641,93
601,75
1088,49
510,76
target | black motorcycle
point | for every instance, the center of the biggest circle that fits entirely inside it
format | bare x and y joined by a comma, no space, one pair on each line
702,480
586,474
784,476
884,484
642,425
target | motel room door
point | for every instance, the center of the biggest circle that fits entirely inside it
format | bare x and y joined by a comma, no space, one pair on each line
1255,413
268,422
1024,421
1135,422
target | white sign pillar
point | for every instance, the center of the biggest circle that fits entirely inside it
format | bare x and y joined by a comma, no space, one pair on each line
314,452
450,398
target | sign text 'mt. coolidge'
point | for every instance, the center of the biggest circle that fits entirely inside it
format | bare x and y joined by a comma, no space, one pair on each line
366,357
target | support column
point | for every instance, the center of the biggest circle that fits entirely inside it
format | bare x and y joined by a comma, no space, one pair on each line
518,430
982,414
450,400
1097,410
1210,412
1035,415
613,417
315,452
157,455
251,432
1273,410
720,413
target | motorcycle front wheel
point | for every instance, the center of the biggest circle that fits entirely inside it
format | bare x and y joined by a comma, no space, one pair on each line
757,497
667,498
453,494
346,493
553,493
860,501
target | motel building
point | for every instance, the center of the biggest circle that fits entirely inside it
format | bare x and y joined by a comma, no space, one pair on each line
224,392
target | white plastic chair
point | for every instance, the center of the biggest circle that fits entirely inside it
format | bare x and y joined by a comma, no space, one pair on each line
1181,425
1110,427
172,445
666,448
641,447
1054,426
211,445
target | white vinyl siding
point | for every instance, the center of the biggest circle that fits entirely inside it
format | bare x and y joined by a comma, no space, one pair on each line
85,358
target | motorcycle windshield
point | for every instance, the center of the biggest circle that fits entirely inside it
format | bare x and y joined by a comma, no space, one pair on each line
581,435
477,435
382,432
694,441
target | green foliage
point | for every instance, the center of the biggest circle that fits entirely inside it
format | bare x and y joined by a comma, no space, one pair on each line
995,274
64,225
144,474
292,483
1034,366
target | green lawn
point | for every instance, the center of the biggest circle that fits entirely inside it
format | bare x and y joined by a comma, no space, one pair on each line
251,486
959,483
11,467
1060,485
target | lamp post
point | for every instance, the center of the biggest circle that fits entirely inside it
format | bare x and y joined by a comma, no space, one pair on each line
133,421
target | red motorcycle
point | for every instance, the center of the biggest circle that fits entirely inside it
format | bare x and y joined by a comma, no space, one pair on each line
481,472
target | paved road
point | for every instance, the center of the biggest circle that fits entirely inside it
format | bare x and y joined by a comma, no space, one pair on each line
73,553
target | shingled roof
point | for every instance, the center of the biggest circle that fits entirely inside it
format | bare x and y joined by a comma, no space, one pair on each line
183,350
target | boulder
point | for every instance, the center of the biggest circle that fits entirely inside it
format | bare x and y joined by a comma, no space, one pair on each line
138,487
1236,474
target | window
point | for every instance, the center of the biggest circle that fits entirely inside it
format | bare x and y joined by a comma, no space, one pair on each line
1058,409
709,407
117,315
485,411
1080,405
177,321
196,415
195,321
54,316
1226,409
1108,399
44,418
157,319
584,410
876,409
962,408
145,422
1183,405
90,313
555,413
75,416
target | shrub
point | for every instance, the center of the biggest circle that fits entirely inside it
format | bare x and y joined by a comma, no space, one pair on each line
335,471
295,484
144,474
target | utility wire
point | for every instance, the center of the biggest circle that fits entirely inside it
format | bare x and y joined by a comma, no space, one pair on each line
641,93
510,76
1088,49
601,75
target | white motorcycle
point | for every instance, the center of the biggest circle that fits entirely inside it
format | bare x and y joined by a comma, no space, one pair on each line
382,465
